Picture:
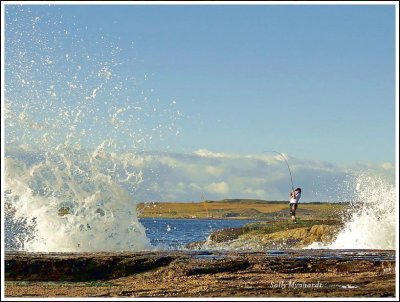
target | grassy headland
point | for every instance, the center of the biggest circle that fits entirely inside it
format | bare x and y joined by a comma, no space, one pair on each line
239,209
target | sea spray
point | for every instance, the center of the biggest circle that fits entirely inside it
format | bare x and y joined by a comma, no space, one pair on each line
371,219
68,206
75,119
373,222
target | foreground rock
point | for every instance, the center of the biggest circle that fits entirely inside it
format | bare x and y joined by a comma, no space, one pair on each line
281,234
275,273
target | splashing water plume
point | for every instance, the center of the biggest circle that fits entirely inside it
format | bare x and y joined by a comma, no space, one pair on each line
71,110
371,222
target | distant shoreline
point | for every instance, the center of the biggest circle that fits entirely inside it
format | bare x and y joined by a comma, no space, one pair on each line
242,201
180,218
238,209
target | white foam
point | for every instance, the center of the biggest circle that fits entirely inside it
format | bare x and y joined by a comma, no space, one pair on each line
69,204
371,223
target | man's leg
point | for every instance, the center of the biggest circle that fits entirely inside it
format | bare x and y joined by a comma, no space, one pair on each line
293,211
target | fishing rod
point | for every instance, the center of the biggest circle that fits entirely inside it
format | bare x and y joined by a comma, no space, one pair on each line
287,164
204,203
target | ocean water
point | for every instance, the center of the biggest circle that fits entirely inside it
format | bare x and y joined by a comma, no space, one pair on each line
77,126
176,233
162,234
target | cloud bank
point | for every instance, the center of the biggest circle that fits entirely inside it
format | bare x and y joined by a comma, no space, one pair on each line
208,175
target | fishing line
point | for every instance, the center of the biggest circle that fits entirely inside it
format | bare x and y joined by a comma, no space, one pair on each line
204,203
287,164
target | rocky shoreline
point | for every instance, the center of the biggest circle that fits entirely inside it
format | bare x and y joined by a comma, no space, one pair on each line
278,234
274,273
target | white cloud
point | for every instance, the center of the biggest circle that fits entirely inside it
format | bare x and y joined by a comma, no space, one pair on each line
218,187
214,170
260,193
387,166
209,175
210,154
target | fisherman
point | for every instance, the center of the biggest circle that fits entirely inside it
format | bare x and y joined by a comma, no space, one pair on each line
295,197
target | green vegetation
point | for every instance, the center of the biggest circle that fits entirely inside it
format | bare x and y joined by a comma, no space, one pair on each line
278,226
247,201
240,209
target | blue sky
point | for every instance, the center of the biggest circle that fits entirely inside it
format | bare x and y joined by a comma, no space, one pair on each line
314,82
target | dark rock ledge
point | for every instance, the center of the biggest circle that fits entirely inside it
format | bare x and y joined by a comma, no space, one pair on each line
280,273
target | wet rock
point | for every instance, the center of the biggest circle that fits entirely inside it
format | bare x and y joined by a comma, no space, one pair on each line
275,273
79,267
196,245
226,234
276,235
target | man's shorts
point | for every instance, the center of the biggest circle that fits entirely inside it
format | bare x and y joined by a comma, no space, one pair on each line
293,208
